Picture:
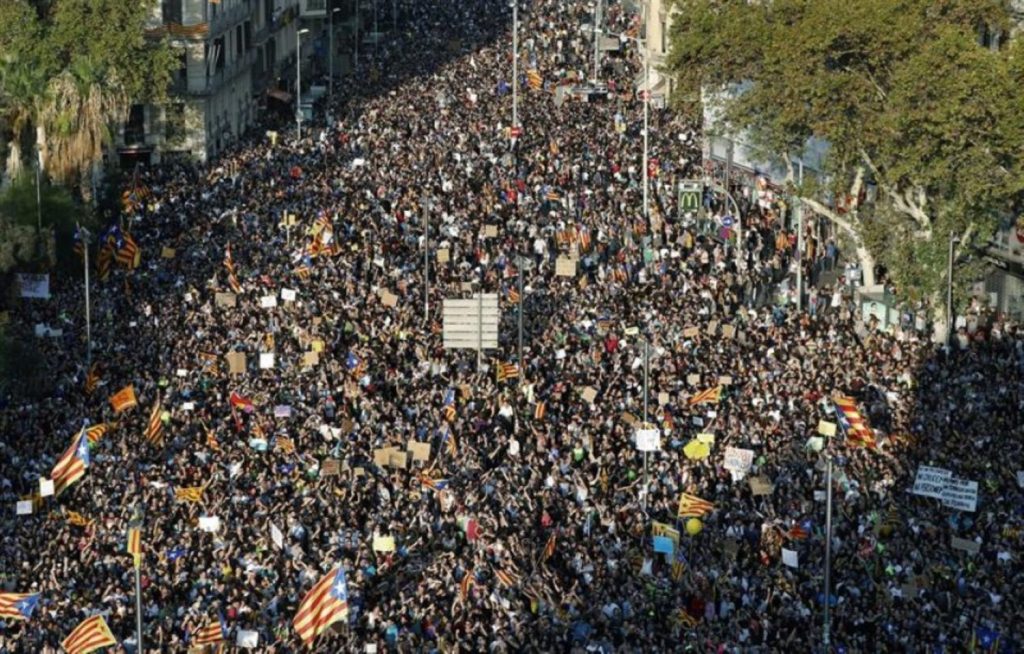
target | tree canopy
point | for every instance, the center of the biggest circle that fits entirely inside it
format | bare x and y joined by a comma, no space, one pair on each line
72,67
903,92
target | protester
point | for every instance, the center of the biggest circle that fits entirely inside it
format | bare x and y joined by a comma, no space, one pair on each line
545,510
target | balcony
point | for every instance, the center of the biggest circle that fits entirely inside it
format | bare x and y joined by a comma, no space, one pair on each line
226,19
204,86
313,8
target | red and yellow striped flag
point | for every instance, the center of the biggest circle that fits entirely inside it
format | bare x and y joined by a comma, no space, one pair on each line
135,544
89,636
193,494
549,547
124,399
534,79
323,605
96,432
155,426
211,634
710,395
691,506
465,585
538,412
92,379
507,577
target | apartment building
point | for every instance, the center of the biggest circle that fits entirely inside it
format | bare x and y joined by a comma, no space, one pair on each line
231,54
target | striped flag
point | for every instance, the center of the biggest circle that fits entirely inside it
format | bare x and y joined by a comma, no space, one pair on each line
208,361
853,424
513,296
233,283
691,506
89,636
506,371
534,79
450,444
96,432
155,426
92,379
211,634
193,494
549,547
539,410
229,262
134,545
129,254
211,440
124,399
710,395
241,402
324,604
71,466
465,585
797,532
429,483
18,606
78,520
104,260
508,577
686,620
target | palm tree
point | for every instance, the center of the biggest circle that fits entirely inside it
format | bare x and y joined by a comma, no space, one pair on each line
78,108
20,86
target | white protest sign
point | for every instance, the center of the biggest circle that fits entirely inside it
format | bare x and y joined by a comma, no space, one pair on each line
738,461
1020,478
930,481
45,487
268,301
25,507
288,295
209,523
960,494
789,557
648,439
34,286
276,536
266,360
247,639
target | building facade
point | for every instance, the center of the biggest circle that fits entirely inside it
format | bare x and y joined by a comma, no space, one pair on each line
231,54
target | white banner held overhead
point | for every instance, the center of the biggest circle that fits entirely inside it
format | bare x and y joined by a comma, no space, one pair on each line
648,438
471,323
930,481
738,461
34,286
960,494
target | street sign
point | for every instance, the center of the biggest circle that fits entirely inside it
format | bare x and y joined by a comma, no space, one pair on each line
471,323
690,196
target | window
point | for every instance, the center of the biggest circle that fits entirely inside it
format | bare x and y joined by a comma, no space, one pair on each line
247,27
174,130
316,5
218,53
135,126
664,37
170,11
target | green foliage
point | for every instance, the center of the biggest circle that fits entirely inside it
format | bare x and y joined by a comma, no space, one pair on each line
900,89
59,209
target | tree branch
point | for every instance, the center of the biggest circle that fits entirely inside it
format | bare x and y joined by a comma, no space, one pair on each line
905,202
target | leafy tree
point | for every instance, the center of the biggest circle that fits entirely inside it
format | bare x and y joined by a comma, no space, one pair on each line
904,94
72,68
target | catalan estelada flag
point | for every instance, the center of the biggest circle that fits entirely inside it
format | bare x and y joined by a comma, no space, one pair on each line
465,585
124,399
71,466
134,545
229,262
853,424
192,494
77,519
92,379
18,606
429,483
691,506
323,605
96,432
450,444
539,410
549,547
129,254
505,371
710,395
507,577
448,405
155,426
89,636
211,634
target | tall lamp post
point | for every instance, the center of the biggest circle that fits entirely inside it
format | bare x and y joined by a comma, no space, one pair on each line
953,240
515,63
330,57
298,79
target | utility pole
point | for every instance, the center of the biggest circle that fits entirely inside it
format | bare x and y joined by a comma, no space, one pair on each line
515,63
647,370
298,80
83,235
647,104
330,57
426,266
597,37
826,636
522,303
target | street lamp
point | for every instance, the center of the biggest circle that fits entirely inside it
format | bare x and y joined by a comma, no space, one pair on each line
953,240
515,63
330,58
298,80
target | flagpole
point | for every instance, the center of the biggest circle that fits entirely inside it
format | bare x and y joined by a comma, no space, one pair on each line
826,638
522,301
426,266
515,63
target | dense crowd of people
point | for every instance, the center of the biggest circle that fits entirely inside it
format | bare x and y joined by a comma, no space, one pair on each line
529,526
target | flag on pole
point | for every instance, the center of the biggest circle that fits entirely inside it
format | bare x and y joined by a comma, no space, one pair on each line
324,604
691,506
506,371
713,395
96,432
18,606
534,79
92,379
155,426
124,399
450,444
129,254
853,424
508,577
135,544
193,494
71,466
539,410
89,636
465,585
241,402
211,634
429,483
549,548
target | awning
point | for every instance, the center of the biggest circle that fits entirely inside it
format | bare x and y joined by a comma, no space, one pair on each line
278,94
